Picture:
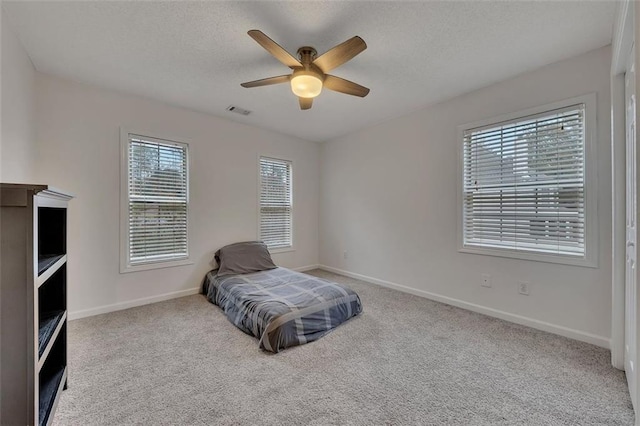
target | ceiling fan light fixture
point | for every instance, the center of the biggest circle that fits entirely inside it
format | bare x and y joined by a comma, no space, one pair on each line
306,84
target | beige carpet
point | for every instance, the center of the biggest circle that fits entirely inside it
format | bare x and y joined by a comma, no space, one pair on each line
405,360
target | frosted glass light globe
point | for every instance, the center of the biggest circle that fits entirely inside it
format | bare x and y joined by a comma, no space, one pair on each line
306,85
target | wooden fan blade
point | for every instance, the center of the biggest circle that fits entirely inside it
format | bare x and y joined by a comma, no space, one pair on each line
274,48
340,54
341,85
267,81
305,103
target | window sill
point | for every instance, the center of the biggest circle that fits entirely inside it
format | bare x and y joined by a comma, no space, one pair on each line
154,265
282,250
531,256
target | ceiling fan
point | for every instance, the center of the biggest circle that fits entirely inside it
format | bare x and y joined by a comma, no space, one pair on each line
310,71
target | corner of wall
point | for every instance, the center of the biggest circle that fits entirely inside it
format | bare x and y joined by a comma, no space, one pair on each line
18,113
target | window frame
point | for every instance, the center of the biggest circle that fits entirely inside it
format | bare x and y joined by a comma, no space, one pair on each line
292,247
590,258
125,265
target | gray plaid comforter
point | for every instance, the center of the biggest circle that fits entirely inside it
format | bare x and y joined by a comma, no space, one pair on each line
281,307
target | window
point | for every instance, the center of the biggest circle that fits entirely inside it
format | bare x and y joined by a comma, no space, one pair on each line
276,203
525,189
155,202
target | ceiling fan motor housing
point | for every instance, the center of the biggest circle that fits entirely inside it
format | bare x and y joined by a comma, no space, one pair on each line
307,54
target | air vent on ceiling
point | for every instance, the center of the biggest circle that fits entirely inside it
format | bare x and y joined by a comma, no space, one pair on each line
238,110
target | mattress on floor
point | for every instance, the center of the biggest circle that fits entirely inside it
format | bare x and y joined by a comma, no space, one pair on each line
281,307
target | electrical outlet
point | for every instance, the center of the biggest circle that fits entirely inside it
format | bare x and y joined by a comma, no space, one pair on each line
485,280
345,255
523,287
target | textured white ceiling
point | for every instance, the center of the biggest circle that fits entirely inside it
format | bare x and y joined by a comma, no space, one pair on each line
196,54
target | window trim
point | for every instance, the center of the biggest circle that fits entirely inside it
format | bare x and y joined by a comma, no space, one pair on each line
125,265
590,258
292,247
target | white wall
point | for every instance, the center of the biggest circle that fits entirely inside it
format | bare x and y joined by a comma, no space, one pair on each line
388,197
17,139
79,148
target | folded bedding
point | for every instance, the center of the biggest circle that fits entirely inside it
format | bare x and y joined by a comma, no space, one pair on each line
280,307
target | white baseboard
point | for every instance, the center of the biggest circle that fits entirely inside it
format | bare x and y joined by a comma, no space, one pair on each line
518,319
306,268
131,303
153,299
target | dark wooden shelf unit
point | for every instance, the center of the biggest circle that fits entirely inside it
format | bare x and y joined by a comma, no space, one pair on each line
33,335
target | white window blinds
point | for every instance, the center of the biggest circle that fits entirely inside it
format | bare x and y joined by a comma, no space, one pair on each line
276,202
524,184
158,194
